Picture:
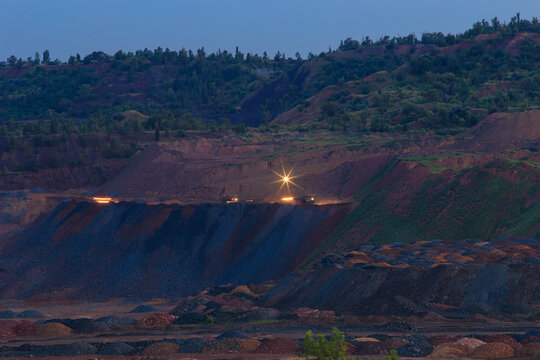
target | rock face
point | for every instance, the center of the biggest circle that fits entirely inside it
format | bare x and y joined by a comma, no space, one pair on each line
135,250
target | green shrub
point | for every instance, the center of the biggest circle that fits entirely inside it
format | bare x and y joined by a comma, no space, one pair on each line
320,348
393,355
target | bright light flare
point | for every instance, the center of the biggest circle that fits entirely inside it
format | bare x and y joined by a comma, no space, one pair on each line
102,200
287,198
285,179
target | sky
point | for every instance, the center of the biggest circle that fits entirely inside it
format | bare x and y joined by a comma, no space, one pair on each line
67,27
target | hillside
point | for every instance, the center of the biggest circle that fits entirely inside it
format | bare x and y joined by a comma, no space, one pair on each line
453,86
78,124
436,81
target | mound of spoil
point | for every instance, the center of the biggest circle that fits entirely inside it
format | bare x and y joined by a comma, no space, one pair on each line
503,338
192,318
530,335
73,349
116,348
226,303
307,314
192,345
8,314
470,343
156,320
278,346
230,345
12,329
495,350
162,348
31,314
441,339
417,347
24,328
6,329
450,351
144,309
84,325
395,343
531,350
369,347
116,321
53,329
431,253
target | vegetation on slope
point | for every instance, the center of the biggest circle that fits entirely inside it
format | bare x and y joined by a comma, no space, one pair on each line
475,203
437,81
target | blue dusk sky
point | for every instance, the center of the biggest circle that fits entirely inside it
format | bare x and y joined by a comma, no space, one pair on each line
67,27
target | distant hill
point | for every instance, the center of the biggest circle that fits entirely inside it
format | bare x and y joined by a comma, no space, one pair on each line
393,84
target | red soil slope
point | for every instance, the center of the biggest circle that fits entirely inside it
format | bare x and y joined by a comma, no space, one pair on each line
507,130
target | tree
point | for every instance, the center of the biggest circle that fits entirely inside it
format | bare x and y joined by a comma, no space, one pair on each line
349,44
54,125
12,60
266,117
156,133
367,42
120,55
495,24
224,123
238,56
46,57
322,348
37,59
240,128
329,109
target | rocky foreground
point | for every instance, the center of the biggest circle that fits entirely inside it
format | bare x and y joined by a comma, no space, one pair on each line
167,336
440,300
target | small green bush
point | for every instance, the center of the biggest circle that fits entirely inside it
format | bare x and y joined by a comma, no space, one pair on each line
393,355
320,348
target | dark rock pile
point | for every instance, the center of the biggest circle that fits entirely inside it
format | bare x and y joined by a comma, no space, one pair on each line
27,314
434,280
435,253
144,309
225,304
